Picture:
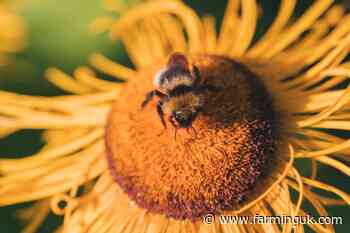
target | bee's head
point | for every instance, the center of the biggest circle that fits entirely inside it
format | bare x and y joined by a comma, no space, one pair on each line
184,108
184,117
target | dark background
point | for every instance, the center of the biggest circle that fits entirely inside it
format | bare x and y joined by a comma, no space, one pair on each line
58,36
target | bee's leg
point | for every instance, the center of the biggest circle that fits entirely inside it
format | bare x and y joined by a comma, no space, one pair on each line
150,96
161,113
197,75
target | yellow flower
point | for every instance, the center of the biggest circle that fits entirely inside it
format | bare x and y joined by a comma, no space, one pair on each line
12,33
301,62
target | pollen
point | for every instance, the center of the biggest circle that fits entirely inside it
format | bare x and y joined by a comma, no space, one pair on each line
211,170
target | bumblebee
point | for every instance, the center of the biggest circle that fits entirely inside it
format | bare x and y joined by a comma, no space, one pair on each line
180,92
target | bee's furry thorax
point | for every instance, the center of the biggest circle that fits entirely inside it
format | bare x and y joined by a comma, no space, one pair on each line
169,79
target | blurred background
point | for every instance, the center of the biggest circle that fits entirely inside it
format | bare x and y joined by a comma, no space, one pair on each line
58,35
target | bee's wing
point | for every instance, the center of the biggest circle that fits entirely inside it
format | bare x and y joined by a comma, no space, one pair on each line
178,59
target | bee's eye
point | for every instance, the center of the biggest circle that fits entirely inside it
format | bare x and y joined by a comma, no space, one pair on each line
183,118
178,115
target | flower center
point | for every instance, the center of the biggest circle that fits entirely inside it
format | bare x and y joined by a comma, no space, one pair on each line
210,170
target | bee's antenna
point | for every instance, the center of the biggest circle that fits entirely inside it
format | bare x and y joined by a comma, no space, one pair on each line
174,125
194,131
175,132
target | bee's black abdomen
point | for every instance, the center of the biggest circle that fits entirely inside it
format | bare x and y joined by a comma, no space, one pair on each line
180,90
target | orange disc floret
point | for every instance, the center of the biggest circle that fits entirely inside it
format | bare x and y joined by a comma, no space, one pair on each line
209,171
